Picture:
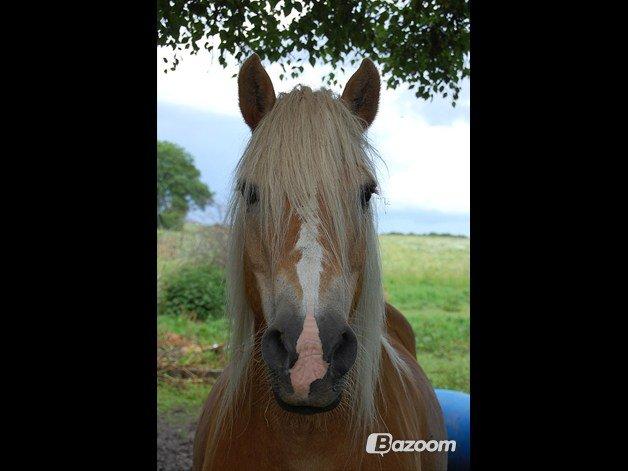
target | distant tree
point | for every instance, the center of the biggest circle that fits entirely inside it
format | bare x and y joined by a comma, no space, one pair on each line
179,187
424,43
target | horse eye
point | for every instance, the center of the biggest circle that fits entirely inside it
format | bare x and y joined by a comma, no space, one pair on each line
366,192
249,192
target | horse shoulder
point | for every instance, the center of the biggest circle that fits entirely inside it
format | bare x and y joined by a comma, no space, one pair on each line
398,326
427,422
206,420
402,339
242,442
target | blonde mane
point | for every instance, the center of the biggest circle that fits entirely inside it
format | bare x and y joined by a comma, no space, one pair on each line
310,147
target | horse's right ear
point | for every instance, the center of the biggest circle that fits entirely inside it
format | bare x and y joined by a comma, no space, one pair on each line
361,94
255,91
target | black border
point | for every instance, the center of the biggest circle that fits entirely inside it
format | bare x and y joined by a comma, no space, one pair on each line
87,305
521,299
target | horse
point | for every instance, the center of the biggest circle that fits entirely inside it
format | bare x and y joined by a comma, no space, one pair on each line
318,359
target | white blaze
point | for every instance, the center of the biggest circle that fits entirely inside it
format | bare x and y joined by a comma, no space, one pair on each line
310,265
310,365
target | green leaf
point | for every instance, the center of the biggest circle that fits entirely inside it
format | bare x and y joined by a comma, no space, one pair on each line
402,38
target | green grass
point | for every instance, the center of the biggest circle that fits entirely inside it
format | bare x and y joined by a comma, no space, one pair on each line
426,278
426,272
205,333
442,340
187,398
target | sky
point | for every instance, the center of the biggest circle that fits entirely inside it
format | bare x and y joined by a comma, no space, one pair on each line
424,184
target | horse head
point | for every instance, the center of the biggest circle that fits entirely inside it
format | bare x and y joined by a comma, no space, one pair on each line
302,214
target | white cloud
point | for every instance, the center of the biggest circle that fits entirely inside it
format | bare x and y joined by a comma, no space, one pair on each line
199,82
428,164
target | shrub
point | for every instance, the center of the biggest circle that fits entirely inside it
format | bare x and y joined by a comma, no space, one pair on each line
195,289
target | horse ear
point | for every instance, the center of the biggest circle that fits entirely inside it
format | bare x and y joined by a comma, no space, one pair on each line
255,91
361,94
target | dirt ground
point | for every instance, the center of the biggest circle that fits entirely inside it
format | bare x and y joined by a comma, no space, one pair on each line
175,438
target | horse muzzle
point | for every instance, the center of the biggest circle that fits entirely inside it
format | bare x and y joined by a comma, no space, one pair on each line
308,359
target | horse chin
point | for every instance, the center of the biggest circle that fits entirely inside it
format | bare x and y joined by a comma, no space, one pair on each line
304,409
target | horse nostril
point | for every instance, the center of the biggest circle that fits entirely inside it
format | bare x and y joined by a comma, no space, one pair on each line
275,351
344,353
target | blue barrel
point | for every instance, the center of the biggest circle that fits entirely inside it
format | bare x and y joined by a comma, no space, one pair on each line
456,409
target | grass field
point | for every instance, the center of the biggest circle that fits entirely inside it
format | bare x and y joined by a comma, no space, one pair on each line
426,277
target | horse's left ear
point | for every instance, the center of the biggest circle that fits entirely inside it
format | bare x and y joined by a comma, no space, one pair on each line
361,93
255,91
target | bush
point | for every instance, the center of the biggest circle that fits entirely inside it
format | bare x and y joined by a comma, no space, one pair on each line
195,289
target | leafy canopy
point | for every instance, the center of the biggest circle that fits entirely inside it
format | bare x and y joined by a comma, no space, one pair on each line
178,185
422,43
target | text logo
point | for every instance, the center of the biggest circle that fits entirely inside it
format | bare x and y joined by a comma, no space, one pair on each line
380,443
